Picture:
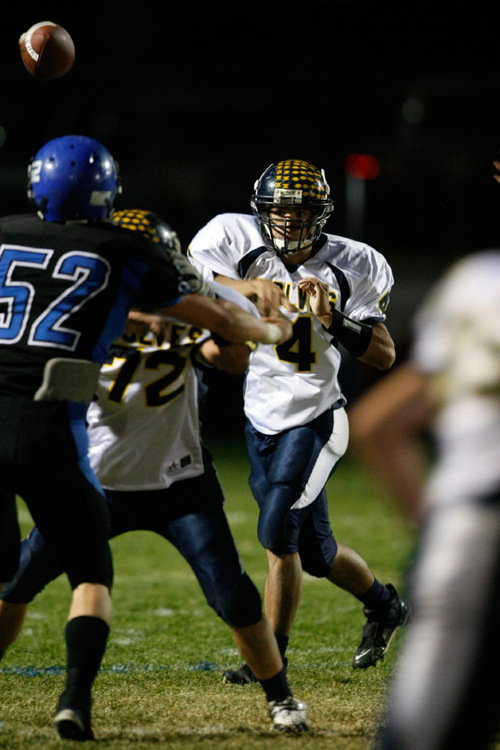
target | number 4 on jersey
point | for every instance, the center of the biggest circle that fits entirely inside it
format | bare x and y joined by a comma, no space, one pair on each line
298,349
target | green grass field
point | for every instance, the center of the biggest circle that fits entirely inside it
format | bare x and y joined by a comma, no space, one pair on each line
161,680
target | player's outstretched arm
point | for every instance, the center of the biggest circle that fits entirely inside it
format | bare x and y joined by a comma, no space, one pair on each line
265,294
228,320
386,428
232,358
381,352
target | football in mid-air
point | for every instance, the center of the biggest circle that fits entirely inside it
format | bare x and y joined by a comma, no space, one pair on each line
47,51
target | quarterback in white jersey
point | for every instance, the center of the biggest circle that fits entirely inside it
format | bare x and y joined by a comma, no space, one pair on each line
297,381
442,695
333,290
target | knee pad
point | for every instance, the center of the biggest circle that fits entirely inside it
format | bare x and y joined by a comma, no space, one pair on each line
278,529
317,561
240,605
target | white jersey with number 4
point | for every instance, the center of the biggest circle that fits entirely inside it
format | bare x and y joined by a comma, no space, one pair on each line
293,383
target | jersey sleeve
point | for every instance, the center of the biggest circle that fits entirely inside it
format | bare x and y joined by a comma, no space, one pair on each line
372,283
213,250
232,295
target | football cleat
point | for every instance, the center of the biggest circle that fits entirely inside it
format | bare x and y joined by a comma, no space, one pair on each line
73,722
381,625
241,676
288,715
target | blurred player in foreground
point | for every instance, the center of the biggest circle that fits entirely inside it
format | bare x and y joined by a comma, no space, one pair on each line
333,290
68,278
444,694
146,450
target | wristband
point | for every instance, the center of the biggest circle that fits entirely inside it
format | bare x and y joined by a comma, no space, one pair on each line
354,336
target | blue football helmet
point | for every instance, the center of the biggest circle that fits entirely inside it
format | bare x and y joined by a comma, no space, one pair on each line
73,178
293,183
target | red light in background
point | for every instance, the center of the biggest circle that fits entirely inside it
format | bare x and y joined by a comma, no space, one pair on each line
362,166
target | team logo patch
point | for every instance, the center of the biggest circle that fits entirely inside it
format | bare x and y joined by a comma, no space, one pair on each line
176,465
283,195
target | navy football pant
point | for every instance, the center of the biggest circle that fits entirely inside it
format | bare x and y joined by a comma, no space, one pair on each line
289,471
190,515
10,536
43,458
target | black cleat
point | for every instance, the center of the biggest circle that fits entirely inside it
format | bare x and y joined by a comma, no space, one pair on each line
381,625
241,676
73,722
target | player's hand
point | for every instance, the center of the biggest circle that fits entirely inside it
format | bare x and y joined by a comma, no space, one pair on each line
268,297
283,324
141,323
232,358
319,297
496,164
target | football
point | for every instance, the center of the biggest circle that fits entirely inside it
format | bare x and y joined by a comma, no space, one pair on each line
47,51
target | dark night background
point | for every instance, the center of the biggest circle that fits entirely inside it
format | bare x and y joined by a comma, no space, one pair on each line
196,99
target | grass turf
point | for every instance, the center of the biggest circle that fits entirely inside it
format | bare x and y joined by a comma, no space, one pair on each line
161,679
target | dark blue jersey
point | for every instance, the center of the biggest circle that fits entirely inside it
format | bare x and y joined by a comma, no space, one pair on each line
66,289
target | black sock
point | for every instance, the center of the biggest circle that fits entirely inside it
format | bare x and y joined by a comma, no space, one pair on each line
376,596
282,643
277,687
85,644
